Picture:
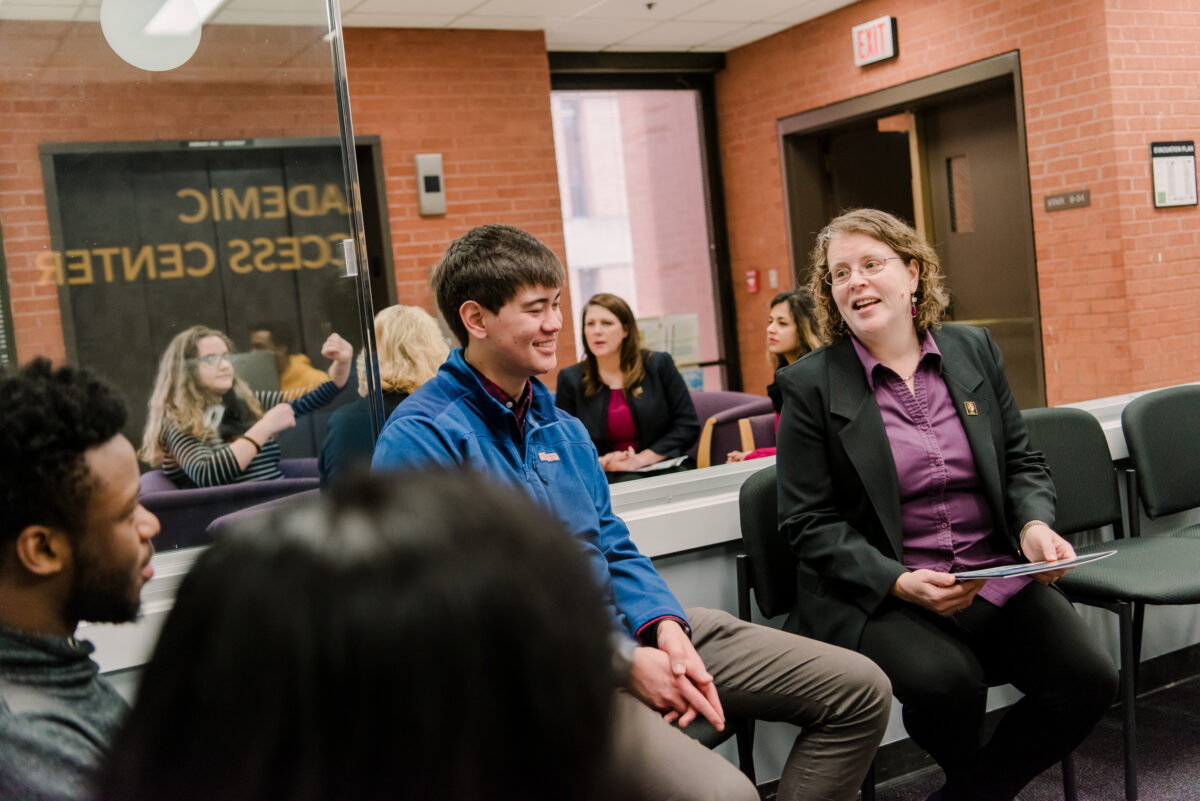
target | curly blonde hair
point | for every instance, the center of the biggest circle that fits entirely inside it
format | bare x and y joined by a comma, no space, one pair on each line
178,398
932,297
410,347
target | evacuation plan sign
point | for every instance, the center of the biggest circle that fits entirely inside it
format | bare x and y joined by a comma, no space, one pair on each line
1173,165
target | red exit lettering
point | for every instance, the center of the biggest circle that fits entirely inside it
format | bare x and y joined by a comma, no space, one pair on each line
873,41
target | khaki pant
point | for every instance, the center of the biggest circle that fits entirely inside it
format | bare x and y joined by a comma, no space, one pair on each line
839,698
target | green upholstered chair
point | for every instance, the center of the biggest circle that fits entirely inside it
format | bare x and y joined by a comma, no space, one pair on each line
1145,570
1162,431
767,567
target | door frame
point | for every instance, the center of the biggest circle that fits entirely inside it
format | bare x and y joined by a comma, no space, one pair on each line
910,97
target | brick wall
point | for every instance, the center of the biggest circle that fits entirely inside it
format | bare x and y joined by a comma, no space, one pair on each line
481,98
1102,79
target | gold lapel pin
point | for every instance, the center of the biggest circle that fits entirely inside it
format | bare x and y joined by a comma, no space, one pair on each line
972,410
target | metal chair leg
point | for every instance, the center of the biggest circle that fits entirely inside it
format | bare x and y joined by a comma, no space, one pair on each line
745,747
1139,617
1128,698
1070,789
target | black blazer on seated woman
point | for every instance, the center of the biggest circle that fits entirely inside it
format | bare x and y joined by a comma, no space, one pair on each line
663,413
839,497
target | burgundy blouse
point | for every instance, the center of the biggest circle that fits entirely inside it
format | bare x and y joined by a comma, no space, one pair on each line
621,431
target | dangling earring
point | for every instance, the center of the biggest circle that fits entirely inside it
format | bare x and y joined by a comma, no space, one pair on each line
913,297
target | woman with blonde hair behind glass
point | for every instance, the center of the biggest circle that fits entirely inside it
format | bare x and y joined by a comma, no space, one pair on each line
633,402
205,427
410,348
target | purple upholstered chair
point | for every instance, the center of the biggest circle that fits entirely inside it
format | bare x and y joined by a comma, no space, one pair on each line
186,513
219,526
719,413
757,431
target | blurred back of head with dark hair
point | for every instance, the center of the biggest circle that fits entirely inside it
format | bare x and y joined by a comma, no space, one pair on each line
48,420
401,637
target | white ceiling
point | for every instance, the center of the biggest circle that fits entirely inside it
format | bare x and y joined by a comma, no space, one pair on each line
588,25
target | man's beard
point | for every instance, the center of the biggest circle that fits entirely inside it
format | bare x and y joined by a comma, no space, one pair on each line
102,594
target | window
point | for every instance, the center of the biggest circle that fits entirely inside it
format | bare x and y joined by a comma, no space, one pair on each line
636,217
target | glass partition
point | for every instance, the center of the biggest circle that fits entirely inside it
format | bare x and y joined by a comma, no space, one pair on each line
168,164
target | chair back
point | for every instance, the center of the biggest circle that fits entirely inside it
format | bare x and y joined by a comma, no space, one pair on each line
1080,465
757,431
155,480
300,468
772,565
1162,431
718,413
223,524
186,513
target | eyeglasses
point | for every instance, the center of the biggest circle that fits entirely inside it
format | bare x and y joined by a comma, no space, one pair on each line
214,359
841,274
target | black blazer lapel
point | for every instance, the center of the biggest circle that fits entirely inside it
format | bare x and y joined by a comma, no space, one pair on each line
966,385
865,439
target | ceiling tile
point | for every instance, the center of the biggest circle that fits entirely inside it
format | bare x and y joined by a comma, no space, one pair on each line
369,20
504,23
9,10
624,25
413,7
289,6
804,11
738,10
234,16
598,32
532,8
642,48
671,35
636,9
746,35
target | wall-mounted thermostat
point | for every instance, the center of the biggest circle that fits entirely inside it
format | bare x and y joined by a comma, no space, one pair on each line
431,188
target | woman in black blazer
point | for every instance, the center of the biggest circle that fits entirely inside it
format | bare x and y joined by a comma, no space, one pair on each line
639,391
902,459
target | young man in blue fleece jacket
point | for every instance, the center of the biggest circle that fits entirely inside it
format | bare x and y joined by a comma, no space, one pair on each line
498,289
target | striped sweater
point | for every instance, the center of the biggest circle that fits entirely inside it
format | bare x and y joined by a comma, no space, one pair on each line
190,461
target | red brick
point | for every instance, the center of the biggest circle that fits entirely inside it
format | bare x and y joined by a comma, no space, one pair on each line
1100,82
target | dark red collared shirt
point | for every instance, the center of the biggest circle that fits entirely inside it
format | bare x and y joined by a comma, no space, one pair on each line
518,406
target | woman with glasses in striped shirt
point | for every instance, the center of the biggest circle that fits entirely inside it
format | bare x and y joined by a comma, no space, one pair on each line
205,427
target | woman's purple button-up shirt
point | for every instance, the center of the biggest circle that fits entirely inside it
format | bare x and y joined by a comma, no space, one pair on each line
944,515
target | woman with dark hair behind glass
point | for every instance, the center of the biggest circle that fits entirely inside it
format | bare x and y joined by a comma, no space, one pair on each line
633,402
396,638
791,333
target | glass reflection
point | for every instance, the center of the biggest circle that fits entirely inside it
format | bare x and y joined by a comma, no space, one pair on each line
410,348
151,201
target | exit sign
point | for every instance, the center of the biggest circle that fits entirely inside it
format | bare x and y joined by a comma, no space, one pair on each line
874,41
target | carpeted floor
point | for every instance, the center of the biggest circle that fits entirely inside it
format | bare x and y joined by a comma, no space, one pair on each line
1168,729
